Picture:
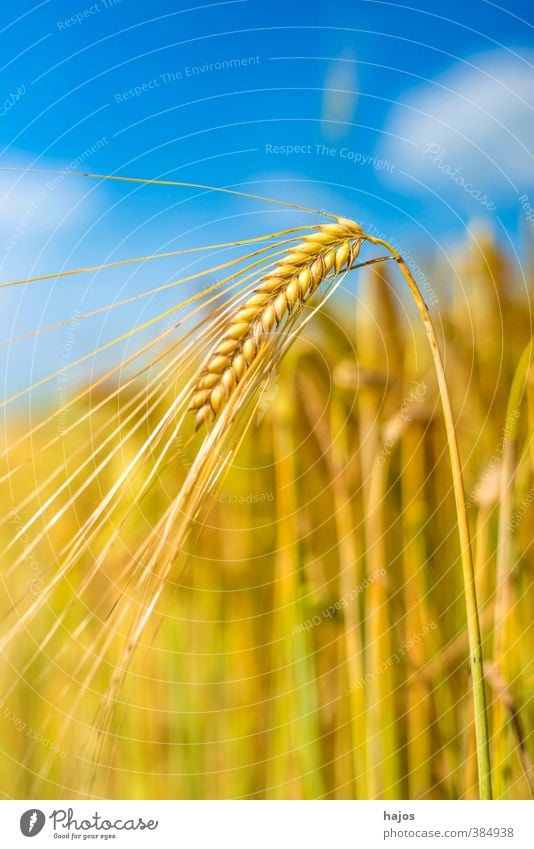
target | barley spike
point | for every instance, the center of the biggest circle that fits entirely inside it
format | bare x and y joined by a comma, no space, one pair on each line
294,279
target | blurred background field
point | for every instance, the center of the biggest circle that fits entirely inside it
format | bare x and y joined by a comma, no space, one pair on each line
311,643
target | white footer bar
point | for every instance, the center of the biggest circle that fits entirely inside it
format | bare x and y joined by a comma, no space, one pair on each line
267,825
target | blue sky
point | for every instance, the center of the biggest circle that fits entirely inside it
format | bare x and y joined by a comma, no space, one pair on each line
417,120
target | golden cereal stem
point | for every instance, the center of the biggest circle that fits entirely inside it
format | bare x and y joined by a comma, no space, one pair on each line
473,623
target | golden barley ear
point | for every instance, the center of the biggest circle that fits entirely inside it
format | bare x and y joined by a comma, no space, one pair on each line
291,283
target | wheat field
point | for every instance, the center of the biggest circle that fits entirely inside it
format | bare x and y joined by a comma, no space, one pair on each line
236,560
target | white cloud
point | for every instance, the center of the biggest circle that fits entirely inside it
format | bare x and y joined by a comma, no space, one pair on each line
475,120
38,204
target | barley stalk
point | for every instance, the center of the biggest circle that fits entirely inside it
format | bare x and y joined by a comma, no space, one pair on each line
290,284
471,604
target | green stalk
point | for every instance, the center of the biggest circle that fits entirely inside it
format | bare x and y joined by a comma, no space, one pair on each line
473,624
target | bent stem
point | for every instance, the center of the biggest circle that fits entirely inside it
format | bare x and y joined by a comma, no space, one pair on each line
473,624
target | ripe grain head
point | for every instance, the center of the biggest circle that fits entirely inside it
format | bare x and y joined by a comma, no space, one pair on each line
291,283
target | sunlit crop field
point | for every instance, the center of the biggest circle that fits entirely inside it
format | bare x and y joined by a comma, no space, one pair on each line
308,638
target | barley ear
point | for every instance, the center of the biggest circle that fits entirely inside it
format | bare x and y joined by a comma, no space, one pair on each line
330,249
